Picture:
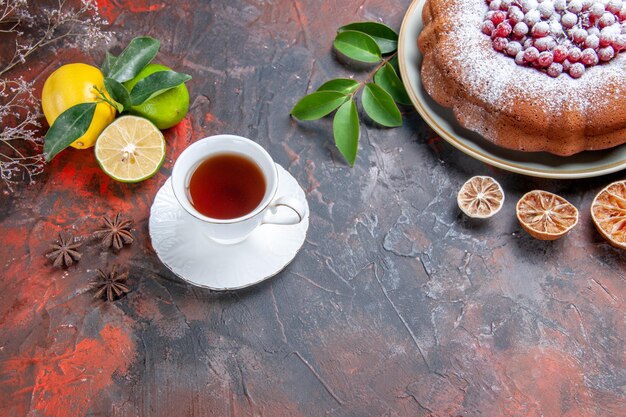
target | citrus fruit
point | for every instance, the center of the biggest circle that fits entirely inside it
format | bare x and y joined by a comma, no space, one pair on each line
131,149
166,109
608,212
546,216
480,197
73,84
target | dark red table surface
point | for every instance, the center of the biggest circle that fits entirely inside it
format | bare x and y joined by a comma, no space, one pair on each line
397,304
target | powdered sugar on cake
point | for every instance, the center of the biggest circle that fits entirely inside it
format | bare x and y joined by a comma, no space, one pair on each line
497,80
557,36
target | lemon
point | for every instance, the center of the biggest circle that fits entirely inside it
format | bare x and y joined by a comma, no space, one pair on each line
608,212
546,216
480,197
131,149
166,109
73,84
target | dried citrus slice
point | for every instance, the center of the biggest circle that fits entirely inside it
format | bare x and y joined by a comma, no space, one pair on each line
480,197
546,216
131,149
608,212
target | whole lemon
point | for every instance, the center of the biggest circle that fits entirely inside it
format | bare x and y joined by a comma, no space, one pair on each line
166,109
73,84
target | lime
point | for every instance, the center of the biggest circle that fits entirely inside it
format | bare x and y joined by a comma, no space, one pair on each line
131,149
166,109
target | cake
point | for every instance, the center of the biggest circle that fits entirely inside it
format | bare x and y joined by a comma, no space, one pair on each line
479,70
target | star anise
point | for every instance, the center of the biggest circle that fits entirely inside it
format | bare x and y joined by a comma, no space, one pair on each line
115,232
111,284
64,252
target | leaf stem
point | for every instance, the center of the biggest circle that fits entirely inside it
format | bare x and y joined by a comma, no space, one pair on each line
102,98
371,74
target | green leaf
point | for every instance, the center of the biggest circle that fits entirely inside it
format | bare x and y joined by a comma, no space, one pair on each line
385,37
394,63
387,78
119,93
109,61
69,126
317,105
343,85
358,46
139,52
346,130
155,84
379,105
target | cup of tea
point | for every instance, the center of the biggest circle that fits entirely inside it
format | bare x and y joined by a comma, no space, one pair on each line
228,184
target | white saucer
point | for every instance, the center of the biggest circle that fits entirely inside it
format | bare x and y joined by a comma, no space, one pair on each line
202,262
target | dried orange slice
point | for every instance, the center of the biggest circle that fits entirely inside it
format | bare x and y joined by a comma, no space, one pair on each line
608,212
546,216
480,197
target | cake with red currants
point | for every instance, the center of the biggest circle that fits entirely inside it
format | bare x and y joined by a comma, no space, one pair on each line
530,75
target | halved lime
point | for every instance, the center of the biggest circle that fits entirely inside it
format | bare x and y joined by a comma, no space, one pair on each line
131,149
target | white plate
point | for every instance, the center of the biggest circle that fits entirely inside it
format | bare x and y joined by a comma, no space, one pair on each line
442,120
202,262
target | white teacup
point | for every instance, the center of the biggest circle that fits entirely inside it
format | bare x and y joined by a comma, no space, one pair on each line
230,231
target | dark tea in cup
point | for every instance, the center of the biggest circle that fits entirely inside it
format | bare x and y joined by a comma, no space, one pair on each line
226,186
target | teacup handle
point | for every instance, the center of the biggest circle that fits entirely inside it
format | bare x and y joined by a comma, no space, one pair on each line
272,216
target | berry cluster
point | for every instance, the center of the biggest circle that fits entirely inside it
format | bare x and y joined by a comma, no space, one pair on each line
557,36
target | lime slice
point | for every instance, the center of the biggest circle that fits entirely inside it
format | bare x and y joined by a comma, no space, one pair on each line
131,149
